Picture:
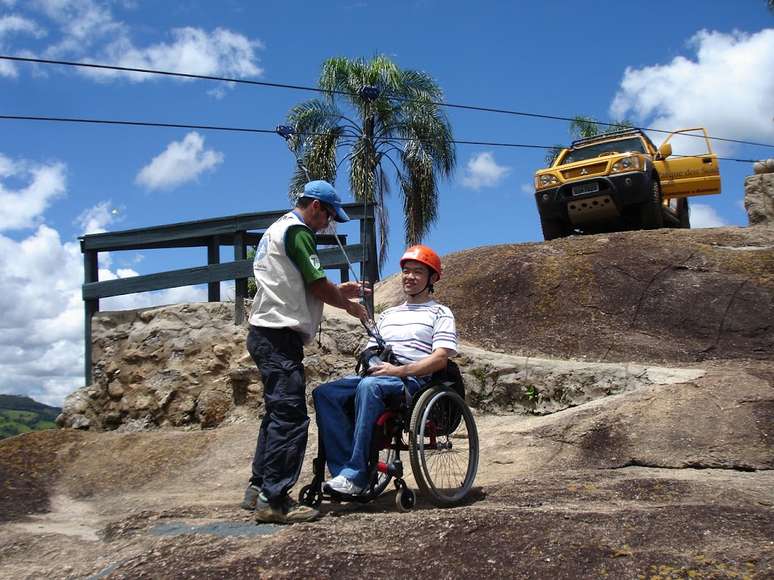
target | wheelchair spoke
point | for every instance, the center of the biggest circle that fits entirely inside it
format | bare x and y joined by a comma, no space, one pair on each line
444,446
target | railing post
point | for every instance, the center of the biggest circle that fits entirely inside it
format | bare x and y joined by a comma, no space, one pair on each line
91,307
213,257
240,285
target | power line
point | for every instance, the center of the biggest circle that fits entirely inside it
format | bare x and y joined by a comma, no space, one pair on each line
345,93
134,123
273,131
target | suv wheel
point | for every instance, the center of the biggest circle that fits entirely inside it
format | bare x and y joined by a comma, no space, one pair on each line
683,213
553,229
651,216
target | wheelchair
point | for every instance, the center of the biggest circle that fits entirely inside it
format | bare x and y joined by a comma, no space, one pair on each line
437,429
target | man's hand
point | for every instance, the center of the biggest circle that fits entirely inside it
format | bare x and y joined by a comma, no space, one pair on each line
357,310
352,289
387,370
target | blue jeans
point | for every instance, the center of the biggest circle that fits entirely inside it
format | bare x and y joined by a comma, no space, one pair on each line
347,442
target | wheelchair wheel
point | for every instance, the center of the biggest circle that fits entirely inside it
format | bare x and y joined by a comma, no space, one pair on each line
310,497
405,499
383,479
443,444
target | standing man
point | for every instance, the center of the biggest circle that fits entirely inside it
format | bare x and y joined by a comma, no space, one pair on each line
286,312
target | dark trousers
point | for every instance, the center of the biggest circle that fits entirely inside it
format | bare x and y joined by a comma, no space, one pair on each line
279,453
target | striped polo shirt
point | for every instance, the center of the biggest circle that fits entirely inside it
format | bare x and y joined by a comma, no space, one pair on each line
415,330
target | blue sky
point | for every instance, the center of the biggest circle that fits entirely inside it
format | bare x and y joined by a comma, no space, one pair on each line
661,64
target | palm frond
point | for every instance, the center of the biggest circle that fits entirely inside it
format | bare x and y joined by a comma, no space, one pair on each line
420,194
403,133
582,127
382,214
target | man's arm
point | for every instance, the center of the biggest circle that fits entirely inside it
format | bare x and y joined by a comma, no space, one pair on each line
300,247
426,366
329,293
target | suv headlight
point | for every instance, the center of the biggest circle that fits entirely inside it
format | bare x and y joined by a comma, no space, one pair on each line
545,180
626,164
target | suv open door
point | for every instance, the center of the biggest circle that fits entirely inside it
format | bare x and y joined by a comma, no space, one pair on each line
687,175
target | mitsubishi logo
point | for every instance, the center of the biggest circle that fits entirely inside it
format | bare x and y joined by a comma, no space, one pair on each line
584,171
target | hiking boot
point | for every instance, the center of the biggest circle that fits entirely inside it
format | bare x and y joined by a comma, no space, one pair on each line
251,495
286,511
265,513
296,513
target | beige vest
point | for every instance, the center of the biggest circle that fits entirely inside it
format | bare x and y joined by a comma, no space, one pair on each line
282,299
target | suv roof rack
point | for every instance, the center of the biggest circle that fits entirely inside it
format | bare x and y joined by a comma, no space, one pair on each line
604,136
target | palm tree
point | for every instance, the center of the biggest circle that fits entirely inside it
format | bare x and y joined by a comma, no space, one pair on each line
392,129
583,127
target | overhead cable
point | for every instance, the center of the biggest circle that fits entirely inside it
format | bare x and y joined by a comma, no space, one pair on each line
345,93
273,131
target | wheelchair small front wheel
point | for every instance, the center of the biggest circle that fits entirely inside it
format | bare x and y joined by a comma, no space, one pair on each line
309,496
405,499
443,445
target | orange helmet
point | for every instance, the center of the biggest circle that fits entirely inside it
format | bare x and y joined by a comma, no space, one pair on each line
424,255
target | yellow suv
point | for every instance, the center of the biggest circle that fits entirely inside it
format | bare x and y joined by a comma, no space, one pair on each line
620,181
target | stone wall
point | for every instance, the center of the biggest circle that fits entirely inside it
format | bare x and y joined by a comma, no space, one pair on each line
187,366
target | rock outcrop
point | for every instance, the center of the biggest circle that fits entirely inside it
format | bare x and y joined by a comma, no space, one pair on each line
186,365
619,304
759,197
668,296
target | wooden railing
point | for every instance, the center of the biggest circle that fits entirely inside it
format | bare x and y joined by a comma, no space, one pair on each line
239,231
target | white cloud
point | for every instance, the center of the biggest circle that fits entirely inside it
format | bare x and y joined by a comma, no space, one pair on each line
7,69
9,25
23,206
95,219
527,188
192,50
81,21
728,88
180,162
41,330
705,216
41,327
14,23
88,30
483,171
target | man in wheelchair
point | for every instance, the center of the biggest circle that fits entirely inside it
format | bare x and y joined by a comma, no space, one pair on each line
422,337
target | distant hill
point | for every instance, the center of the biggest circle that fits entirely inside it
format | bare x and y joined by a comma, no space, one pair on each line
20,414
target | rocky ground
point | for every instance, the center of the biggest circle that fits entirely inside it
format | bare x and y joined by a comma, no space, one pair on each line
623,389
663,481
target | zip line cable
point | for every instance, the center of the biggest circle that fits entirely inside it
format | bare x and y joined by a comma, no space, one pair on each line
344,93
273,131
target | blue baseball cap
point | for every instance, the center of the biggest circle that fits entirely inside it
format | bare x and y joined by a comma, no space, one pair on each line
324,191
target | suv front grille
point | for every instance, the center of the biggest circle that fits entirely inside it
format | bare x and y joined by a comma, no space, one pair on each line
585,171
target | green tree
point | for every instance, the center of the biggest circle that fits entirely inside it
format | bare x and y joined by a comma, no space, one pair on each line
396,132
584,127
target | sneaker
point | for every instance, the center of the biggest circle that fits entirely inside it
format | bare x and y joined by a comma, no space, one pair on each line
342,485
251,496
